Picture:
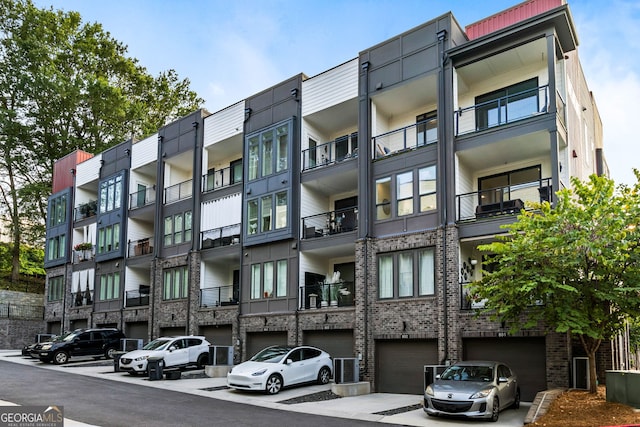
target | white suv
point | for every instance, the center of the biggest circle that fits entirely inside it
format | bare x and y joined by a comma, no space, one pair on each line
177,352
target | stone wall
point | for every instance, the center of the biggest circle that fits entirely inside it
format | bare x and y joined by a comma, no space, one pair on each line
16,333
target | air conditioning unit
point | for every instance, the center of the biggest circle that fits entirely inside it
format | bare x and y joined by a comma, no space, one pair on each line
346,370
220,355
130,344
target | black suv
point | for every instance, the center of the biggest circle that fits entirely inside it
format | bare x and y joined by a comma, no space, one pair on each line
81,342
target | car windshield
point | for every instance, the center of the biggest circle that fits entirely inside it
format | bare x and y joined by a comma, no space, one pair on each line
468,373
158,344
68,336
271,354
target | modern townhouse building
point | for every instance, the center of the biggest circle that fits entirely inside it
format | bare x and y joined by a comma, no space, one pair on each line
342,210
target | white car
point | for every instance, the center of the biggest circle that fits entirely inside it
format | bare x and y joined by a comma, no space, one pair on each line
177,352
281,366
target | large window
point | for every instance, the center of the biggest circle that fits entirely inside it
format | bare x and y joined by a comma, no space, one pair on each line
111,194
269,279
272,209
508,104
109,286
427,128
268,152
58,210
396,195
175,283
56,247
177,228
109,238
508,185
55,291
406,274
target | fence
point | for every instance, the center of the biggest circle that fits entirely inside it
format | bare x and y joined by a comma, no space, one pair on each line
17,311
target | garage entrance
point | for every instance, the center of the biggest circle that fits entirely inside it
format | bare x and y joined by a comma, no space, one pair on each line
217,335
256,341
400,364
526,356
137,330
171,332
338,343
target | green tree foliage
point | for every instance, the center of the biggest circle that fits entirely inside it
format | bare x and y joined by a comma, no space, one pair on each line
574,267
67,85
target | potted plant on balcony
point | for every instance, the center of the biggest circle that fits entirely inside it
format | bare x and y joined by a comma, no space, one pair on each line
331,289
83,250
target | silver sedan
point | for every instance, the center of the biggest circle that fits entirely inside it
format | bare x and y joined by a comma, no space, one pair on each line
473,389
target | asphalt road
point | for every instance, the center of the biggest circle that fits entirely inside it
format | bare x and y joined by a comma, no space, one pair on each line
109,403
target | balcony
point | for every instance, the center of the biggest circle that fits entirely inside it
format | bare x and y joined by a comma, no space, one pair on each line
327,295
180,191
220,178
86,210
467,300
142,198
140,247
222,236
83,252
338,150
509,200
503,110
137,298
404,139
82,298
219,295
328,223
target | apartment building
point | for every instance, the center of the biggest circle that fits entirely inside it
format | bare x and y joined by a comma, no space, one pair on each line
342,210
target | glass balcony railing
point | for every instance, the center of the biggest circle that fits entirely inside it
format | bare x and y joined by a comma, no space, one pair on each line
502,200
343,148
407,138
321,295
503,110
221,178
142,198
328,223
219,295
141,247
179,191
86,210
222,236
138,298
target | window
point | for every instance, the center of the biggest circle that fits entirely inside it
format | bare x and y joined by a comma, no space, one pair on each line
505,186
265,279
236,171
177,228
397,278
427,188
272,210
175,283
266,213
109,286
57,247
383,198
506,105
111,194
422,182
254,158
404,191
282,133
427,128
109,238
281,210
268,152
252,216
56,288
58,210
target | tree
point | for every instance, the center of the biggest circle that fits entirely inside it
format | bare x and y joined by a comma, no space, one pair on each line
574,267
67,85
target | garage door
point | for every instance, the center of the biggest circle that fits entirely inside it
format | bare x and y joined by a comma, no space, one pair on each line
338,343
137,330
256,341
526,356
400,365
78,324
171,332
217,335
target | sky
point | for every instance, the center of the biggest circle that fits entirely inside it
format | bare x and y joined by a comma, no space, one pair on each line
230,50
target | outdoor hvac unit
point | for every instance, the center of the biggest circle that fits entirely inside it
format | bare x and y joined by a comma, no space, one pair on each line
346,370
581,373
220,355
130,344
430,372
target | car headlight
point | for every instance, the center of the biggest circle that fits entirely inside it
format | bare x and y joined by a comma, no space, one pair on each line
482,393
138,359
429,391
46,347
258,373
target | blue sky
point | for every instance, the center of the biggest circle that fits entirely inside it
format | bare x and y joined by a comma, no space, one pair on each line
232,49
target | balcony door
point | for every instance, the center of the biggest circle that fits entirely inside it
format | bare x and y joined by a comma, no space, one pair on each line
507,104
504,186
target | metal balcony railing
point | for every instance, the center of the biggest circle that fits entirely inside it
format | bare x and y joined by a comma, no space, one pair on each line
407,138
219,295
328,223
180,191
140,247
81,255
20,311
82,298
142,198
321,295
137,298
501,111
86,210
218,179
328,153
222,236
507,200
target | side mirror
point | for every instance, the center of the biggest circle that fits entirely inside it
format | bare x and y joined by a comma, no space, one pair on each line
173,347
438,376
502,380
289,361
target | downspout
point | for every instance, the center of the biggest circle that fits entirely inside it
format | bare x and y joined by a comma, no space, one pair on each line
442,35
157,233
195,236
367,213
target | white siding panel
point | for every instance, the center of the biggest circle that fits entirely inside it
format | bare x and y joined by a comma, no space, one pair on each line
221,212
88,171
330,88
144,152
224,124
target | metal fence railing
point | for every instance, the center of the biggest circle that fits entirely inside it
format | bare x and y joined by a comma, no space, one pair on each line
19,311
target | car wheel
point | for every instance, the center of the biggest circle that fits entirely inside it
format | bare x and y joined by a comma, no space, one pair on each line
495,410
60,358
109,353
324,375
516,402
274,384
202,360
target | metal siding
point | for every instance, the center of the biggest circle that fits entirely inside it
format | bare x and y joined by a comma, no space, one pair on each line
526,356
400,365
88,171
224,124
144,152
330,88
338,343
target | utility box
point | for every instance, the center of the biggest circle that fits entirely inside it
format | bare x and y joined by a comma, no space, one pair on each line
220,355
624,387
155,367
346,370
130,344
